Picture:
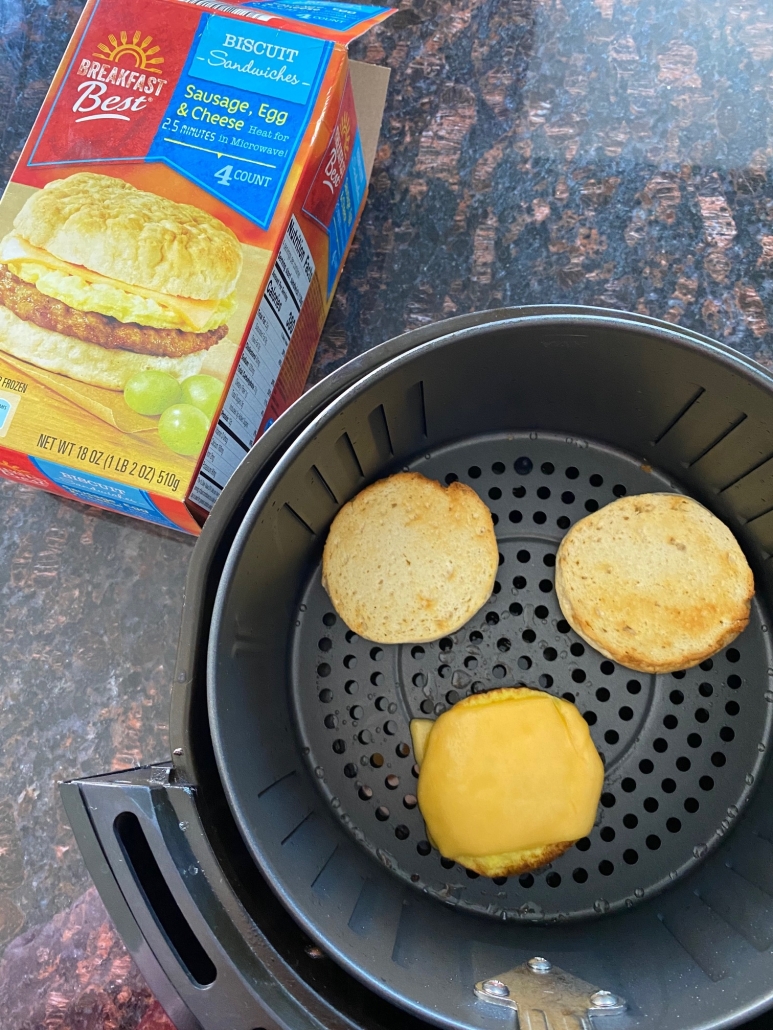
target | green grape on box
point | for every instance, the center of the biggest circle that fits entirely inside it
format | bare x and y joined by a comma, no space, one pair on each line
183,429
151,392
203,392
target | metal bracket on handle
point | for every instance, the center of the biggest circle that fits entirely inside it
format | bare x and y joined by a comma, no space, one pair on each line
544,997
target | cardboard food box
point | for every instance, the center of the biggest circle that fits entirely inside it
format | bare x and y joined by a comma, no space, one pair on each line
171,239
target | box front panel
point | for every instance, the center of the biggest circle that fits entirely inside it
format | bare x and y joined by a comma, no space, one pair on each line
148,242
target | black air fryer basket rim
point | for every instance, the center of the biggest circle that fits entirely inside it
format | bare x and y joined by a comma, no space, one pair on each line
549,317
233,507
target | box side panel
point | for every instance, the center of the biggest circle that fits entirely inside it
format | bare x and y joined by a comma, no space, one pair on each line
280,345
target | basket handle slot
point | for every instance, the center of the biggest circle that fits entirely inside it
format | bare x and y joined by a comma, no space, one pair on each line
160,900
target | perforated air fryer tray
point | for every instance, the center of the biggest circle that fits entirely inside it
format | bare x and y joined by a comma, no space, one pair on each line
681,751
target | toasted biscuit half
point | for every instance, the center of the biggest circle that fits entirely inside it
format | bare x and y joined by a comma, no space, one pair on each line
508,780
408,560
654,582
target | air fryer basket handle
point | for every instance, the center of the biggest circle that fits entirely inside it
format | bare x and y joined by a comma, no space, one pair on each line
132,831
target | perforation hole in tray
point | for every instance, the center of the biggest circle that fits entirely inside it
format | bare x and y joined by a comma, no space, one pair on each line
680,751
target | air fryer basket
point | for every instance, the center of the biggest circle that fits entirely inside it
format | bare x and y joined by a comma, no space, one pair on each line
548,417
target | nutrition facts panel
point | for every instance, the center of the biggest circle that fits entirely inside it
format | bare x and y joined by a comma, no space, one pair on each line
258,368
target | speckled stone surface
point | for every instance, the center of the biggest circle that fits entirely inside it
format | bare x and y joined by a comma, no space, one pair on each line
611,152
89,613
74,973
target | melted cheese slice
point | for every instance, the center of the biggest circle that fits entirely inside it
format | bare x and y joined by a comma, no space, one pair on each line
194,315
506,772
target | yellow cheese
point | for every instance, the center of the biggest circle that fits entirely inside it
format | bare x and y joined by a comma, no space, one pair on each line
506,772
85,290
420,731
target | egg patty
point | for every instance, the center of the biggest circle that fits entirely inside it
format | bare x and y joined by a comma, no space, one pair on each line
106,298
29,304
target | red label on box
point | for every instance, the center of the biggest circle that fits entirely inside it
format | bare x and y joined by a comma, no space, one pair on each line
117,87
326,188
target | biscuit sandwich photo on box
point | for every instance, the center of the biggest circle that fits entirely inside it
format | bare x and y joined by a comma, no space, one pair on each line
100,280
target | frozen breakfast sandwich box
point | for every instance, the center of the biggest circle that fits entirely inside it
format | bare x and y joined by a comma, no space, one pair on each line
170,241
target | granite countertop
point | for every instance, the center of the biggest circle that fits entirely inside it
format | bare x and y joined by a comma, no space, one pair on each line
608,152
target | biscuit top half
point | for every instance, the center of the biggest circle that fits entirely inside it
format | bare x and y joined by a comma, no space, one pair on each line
110,227
655,582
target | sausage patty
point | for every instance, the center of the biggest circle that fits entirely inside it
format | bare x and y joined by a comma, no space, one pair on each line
29,304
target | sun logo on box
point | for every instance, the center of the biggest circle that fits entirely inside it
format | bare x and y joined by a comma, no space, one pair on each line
346,131
139,49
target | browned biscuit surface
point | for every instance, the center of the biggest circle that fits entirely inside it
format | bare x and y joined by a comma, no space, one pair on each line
109,226
654,582
30,304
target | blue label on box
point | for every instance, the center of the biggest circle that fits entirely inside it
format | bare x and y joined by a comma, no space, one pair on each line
257,59
327,15
345,213
84,486
239,112
5,407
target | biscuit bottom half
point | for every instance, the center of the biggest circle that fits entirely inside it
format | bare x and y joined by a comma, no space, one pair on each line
86,362
508,780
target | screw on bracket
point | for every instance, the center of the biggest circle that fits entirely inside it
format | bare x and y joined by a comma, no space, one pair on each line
543,994
604,1000
496,988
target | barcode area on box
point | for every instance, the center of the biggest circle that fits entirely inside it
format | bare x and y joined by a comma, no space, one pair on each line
258,368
